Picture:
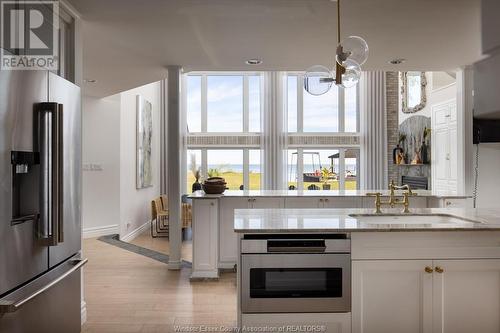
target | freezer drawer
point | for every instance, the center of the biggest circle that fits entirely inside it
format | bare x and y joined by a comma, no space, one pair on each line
49,304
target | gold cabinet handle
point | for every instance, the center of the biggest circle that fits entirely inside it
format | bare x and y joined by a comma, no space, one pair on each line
439,269
429,269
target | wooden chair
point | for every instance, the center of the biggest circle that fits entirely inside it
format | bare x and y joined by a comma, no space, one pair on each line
159,217
164,202
187,215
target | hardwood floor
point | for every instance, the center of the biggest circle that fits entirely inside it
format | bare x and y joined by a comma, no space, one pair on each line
127,292
160,244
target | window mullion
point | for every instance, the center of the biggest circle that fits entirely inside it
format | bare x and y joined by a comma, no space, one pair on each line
341,109
342,169
204,103
246,169
246,105
357,108
300,169
204,163
300,103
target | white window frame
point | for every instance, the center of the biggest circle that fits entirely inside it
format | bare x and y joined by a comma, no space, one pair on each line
342,164
245,101
300,107
245,126
305,141
341,131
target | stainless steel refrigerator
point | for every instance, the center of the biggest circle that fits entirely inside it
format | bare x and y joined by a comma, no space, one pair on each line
40,203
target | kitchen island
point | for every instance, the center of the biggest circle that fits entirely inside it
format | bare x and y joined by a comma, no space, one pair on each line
215,243
350,270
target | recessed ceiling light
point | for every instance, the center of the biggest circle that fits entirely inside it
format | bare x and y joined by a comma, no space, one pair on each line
89,80
397,61
253,61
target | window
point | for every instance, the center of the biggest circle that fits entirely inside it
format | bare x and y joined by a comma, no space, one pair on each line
223,116
321,112
322,119
220,103
224,102
254,103
351,113
193,165
240,167
323,169
254,170
224,121
292,103
194,103
334,112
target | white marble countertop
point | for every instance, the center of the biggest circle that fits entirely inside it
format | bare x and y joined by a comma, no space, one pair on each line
341,220
297,193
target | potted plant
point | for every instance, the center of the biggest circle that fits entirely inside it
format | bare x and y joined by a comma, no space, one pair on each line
196,173
325,177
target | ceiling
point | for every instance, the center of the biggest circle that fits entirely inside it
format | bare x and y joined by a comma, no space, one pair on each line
128,43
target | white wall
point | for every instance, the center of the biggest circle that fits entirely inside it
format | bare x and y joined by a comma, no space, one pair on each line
135,203
433,97
101,164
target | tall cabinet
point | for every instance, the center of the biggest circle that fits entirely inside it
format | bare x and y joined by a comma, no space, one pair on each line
445,147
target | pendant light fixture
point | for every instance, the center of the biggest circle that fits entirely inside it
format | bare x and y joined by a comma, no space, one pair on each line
351,53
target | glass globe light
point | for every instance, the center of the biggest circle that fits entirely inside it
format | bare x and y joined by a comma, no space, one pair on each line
352,73
352,48
318,80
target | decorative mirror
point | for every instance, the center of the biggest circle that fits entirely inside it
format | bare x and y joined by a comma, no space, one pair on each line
413,91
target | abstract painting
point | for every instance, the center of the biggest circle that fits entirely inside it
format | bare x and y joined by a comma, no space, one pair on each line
144,177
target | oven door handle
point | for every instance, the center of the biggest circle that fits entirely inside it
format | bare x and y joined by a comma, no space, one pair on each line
299,249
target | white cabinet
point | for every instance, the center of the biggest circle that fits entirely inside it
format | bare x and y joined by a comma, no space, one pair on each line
444,161
324,202
302,202
426,296
228,251
466,296
392,284
227,237
266,202
391,296
342,202
205,238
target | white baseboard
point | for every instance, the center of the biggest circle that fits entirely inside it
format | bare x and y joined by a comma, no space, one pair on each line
134,233
84,312
100,231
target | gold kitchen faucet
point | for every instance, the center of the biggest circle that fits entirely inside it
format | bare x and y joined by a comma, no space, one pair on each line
393,200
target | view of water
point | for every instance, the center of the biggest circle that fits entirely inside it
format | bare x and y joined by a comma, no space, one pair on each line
257,168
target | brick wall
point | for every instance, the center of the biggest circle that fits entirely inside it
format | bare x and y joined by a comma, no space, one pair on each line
392,94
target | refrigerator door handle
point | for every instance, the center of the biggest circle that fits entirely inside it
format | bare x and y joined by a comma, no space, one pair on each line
60,173
50,145
7,306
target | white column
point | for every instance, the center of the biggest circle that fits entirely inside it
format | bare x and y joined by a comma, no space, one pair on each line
163,139
373,128
274,132
175,147
466,151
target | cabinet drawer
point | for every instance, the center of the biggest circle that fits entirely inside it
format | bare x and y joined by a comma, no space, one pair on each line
425,245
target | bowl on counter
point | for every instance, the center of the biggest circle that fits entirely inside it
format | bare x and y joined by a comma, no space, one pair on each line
214,185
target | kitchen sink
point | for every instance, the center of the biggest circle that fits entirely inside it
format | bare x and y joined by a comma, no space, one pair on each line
413,219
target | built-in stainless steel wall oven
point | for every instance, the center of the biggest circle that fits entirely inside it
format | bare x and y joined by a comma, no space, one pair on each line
289,273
